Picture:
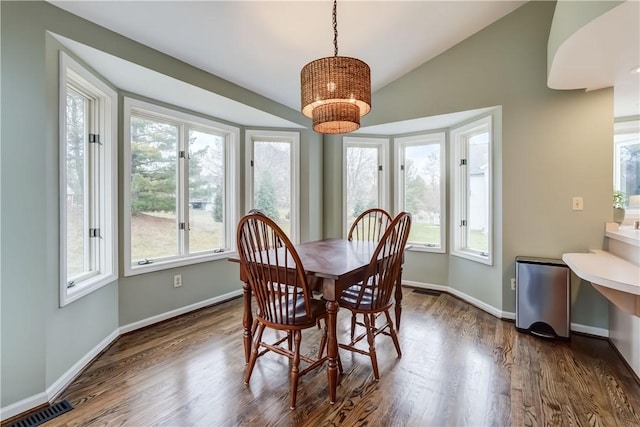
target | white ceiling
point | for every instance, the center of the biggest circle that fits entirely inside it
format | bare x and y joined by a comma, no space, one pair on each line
262,45
604,53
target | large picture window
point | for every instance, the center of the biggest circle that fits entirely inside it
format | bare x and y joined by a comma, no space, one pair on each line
471,227
181,199
88,217
272,177
420,188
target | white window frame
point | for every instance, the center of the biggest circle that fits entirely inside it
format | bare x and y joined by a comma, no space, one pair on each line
458,188
438,138
101,176
232,180
382,144
293,139
622,128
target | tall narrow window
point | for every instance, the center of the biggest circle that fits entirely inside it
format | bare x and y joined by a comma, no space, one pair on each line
472,220
181,200
87,182
272,177
420,188
365,176
626,157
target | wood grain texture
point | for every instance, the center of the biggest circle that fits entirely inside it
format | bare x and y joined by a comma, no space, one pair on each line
460,367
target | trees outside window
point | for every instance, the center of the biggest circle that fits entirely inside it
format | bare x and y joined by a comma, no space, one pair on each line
180,195
366,176
420,188
272,176
626,157
88,242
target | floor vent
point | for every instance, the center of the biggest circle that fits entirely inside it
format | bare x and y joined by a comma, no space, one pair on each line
43,415
427,292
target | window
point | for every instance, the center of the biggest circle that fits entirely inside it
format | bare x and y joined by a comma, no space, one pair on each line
420,188
181,189
627,157
272,177
365,176
88,241
471,191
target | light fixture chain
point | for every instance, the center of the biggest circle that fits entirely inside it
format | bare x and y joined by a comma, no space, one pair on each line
335,27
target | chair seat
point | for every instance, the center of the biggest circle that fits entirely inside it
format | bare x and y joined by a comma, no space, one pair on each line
349,298
299,317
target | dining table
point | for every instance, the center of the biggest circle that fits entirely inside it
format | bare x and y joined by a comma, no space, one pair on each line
334,265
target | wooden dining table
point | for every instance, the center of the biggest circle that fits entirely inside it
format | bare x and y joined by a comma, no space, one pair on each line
335,264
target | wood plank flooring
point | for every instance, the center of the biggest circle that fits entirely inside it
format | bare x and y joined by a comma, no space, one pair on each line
460,367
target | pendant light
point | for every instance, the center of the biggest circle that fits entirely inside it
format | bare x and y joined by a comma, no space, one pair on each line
336,90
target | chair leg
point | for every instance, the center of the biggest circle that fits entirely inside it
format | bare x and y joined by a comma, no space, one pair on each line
353,326
372,347
295,369
394,335
254,353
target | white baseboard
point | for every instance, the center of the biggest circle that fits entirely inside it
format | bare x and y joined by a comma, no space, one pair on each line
591,330
508,315
23,406
177,312
54,389
66,378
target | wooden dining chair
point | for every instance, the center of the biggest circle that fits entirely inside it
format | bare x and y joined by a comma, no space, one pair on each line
373,295
369,226
284,303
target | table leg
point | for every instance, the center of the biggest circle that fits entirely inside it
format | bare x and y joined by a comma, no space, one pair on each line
247,321
398,298
332,349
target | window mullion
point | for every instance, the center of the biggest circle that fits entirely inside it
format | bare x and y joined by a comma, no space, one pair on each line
182,202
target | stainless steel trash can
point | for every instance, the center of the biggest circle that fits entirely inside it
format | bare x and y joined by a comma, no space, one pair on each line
543,289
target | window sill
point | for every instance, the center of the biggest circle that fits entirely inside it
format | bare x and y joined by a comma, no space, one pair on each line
473,257
420,247
134,270
624,234
68,295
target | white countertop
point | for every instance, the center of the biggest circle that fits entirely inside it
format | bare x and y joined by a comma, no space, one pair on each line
626,234
604,269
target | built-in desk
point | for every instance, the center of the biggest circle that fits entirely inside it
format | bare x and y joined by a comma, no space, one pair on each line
615,273
617,279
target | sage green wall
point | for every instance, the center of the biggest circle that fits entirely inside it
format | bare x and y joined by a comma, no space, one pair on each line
60,337
553,145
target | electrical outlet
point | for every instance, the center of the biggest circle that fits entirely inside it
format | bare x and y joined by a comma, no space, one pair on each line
177,280
513,284
577,203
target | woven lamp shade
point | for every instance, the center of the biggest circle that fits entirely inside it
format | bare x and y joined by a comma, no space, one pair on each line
336,91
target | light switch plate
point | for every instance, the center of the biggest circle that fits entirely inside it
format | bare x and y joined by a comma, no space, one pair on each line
577,203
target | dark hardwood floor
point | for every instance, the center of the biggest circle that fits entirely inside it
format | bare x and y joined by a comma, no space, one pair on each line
460,367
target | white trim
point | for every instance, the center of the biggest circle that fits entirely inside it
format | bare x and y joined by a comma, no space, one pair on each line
506,315
459,190
293,138
466,298
231,136
436,138
103,180
382,144
23,405
178,311
65,379
71,374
